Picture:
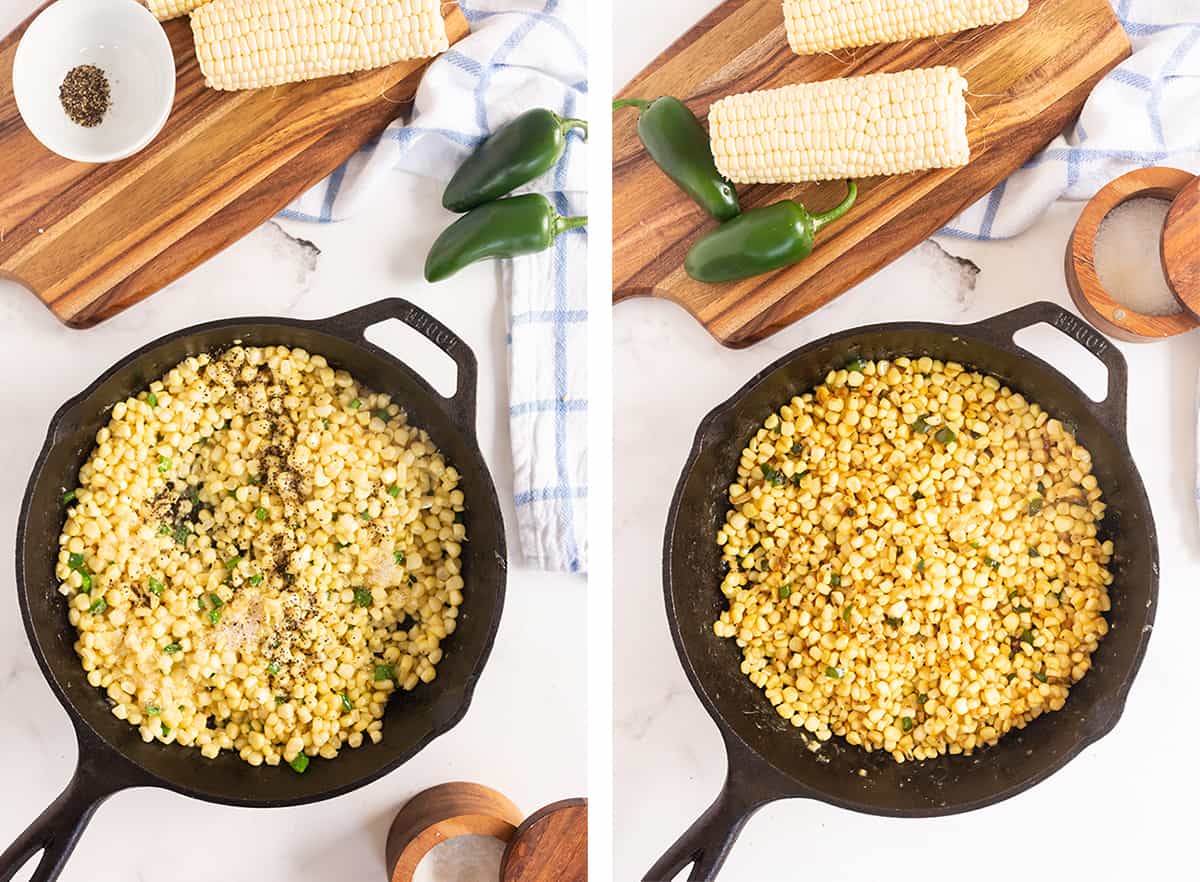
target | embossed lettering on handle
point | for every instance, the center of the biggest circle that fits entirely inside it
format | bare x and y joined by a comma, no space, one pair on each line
1083,333
1112,408
355,323
437,333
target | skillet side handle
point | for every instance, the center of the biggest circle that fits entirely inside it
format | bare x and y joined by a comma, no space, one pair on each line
355,323
58,828
707,843
1000,330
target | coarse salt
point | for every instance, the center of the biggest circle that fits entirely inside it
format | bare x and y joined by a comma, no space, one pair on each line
462,859
1127,257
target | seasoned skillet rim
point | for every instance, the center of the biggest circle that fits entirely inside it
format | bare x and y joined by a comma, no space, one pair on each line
142,776
786,785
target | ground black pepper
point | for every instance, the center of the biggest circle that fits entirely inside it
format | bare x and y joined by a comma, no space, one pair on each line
85,95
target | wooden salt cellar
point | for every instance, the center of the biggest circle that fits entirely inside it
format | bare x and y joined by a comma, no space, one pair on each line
444,812
1180,256
551,844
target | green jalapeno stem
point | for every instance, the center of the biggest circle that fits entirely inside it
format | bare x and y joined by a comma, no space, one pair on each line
570,123
562,224
823,220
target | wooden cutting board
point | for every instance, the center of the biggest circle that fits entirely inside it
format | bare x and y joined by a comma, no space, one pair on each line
92,240
1028,80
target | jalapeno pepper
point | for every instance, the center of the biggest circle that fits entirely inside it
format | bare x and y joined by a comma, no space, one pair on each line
761,240
513,155
679,145
504,228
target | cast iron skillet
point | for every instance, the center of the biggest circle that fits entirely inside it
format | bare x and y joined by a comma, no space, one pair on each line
767,759
112,756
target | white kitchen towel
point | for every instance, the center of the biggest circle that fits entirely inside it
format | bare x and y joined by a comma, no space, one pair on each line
1145,112
520,54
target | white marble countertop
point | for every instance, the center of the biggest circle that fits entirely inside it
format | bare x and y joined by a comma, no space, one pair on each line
525,732
1116,812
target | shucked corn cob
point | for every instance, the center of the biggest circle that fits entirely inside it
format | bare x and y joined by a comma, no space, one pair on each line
881,124
164,9
249,44
824,25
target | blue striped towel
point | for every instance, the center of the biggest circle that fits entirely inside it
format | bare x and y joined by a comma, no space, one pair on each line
520,54
1145,112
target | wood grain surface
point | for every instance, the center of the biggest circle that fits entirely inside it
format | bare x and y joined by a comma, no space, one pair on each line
1028,79
91,240
459,808
1098,305
1181,248
550,846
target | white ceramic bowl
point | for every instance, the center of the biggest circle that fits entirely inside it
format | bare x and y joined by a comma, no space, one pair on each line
124,40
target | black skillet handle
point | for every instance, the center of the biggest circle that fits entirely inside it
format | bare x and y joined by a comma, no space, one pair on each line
355,323
1000,329
58,828
749,785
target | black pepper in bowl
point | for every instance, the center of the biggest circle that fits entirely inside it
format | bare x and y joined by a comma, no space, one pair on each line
85,95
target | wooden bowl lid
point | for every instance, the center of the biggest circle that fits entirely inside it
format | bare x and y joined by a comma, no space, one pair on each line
550,846
1096,304
1181,248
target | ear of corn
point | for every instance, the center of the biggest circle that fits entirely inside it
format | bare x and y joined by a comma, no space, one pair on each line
881,124
824,25
165,9
249,44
